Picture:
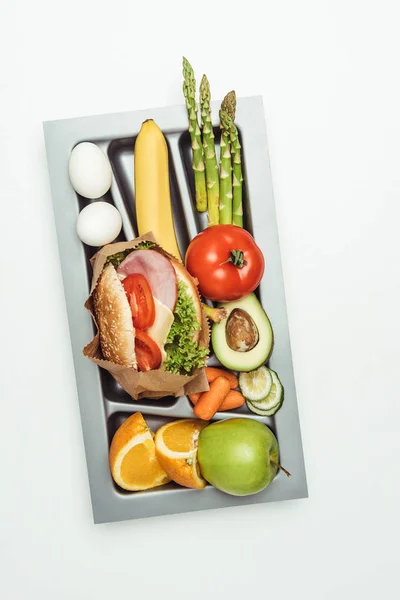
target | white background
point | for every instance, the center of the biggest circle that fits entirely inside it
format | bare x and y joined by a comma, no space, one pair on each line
329,72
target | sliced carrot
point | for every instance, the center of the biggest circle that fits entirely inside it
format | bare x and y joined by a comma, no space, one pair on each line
210,401
212,373
233,400
194,397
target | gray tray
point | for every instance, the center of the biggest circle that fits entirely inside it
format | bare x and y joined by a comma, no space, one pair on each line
103,403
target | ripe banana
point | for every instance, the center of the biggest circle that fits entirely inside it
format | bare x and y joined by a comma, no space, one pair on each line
152,193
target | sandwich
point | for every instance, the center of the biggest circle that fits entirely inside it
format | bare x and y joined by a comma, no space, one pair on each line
149,313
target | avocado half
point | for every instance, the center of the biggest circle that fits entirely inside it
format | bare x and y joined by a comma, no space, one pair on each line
252,359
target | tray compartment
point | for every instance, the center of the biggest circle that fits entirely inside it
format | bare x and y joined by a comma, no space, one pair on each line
155,421
185,148
121,156
179,408
116,419
113,392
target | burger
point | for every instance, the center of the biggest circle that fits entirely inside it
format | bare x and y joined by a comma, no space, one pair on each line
149,313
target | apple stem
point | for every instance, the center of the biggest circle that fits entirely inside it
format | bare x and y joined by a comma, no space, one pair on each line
281,468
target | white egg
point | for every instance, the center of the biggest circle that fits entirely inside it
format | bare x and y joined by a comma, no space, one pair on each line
98,224
89,170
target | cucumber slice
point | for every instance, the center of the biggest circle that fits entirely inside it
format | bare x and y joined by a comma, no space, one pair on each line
272,402
274,395
256,385
263,413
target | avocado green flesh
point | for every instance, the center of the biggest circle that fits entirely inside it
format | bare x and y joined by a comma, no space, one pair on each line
244,361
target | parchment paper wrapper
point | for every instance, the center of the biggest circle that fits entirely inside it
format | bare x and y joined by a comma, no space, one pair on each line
149,384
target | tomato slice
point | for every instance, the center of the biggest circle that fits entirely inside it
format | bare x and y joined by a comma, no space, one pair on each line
148,354
141,300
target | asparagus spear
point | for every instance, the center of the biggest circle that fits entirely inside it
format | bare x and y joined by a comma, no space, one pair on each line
209,153
237,184
225,186
189,91
229,105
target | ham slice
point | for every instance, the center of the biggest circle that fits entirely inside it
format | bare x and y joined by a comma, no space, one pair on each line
158,271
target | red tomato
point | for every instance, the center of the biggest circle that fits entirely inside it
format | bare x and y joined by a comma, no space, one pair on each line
226,261
141,300
148,354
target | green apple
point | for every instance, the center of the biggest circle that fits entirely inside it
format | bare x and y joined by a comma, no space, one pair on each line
238,456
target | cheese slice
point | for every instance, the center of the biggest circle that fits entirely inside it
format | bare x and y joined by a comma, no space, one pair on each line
162,324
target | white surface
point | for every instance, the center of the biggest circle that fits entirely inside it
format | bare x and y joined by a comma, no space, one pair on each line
329,74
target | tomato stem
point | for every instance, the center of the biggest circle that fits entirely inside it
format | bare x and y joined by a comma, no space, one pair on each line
236,257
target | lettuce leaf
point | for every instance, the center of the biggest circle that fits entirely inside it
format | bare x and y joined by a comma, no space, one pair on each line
116,259
183,353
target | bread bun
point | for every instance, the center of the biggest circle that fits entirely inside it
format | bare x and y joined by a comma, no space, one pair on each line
114,319
183,275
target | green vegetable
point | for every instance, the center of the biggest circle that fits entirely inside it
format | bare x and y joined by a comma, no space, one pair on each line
256,408
209,153
116,259
269,405
189,91
144,246
225,184
256,385
228,104
184,355
237,185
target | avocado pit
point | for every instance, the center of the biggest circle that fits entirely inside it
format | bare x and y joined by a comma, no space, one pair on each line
241,331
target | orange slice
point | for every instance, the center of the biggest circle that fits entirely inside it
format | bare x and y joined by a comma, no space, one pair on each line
176,451
133,461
